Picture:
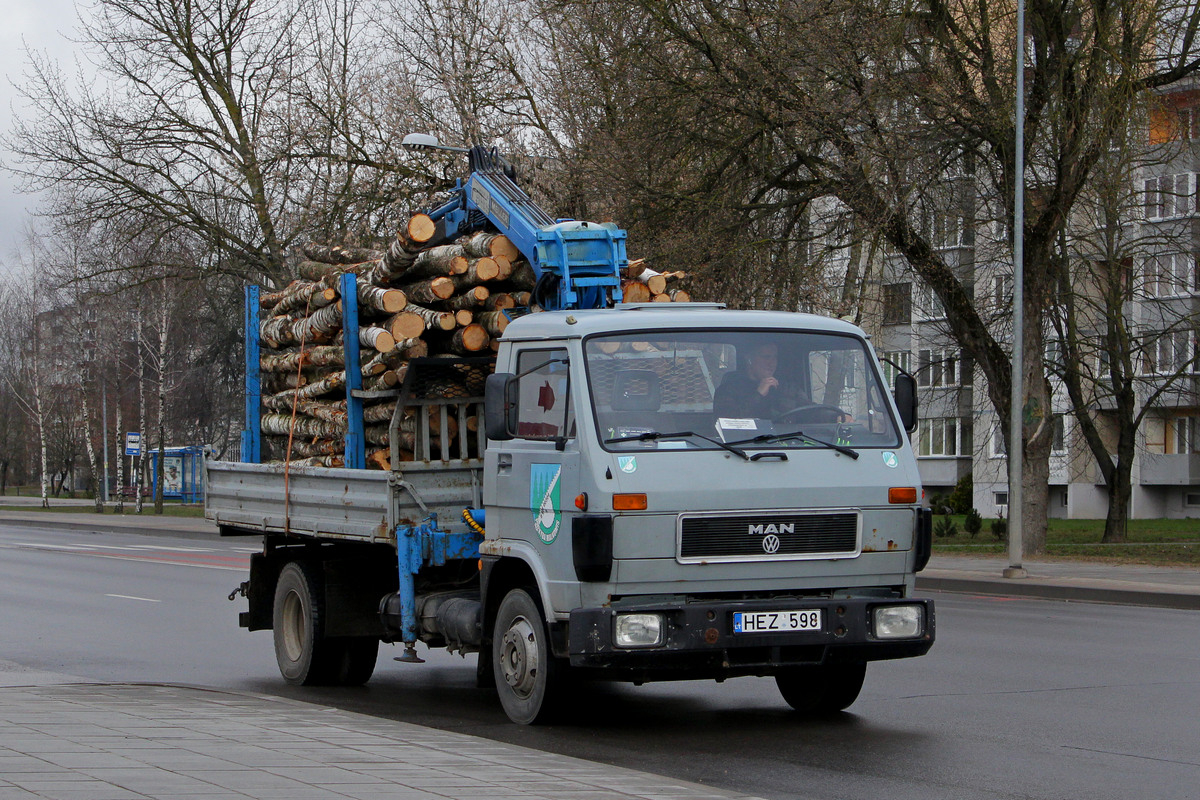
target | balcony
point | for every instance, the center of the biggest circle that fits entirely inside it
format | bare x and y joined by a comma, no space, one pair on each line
1170,470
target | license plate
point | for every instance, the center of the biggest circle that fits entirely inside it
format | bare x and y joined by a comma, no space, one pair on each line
806,619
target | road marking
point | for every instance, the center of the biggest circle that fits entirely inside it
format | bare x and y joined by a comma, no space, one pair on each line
45,546
131,597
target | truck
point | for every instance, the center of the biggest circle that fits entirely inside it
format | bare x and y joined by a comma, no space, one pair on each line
617,515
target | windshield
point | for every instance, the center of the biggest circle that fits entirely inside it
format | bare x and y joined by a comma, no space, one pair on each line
750,388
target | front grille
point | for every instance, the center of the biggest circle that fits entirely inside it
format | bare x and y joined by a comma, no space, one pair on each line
749,536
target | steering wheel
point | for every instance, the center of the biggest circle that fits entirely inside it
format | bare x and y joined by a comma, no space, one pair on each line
832,412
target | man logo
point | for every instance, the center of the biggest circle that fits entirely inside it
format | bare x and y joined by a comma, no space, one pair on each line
771,543
762,530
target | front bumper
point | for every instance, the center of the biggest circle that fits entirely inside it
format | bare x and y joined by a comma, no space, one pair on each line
699,640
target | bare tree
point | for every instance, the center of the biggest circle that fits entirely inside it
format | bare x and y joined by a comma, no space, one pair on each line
874,104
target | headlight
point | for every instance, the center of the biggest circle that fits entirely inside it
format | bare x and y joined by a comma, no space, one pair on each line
638,630
898,622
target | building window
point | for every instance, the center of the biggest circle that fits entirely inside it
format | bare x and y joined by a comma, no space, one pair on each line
901,357
1058,443
929,306
1186,435
938,436
937,368
1001,498
1169,196
1002,291
897,304
1167,353
1170,274
998,446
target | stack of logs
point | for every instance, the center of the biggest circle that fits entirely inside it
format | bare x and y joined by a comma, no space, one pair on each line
413,301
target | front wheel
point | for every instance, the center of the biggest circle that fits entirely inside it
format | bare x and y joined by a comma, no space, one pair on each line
522,663
822,689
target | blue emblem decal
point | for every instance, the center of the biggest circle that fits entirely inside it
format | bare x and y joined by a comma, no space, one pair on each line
545,500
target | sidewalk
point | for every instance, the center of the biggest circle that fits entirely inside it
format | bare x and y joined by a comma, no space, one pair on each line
133,742
1082,581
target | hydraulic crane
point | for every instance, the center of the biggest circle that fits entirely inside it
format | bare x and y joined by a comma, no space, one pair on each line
578,264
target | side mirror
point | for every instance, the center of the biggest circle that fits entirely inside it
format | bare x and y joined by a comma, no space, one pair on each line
905,392
499,407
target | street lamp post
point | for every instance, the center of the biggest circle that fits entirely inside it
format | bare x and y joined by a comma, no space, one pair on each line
1017,397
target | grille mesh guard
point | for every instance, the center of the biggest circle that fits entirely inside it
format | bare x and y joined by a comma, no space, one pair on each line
768,536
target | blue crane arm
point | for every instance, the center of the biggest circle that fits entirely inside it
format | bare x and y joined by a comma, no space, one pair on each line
578,264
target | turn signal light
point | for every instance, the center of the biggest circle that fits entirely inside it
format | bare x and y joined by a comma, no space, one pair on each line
902,494
581,501
629,502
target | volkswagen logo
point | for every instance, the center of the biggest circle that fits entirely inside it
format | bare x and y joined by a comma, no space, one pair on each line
771,543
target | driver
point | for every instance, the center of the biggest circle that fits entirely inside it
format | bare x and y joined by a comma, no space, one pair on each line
753,391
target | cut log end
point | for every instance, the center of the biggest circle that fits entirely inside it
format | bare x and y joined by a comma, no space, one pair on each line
421,228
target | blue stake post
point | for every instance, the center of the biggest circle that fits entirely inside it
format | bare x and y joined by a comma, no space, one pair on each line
356,447
252,433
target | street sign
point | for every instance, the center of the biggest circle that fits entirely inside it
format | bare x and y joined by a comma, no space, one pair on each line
133,444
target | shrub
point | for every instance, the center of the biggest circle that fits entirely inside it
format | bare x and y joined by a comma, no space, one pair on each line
961,498
973,523
1000,527
945,528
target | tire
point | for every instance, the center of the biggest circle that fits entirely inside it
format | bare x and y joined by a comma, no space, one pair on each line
297,618
306,657
822,690
524,668
352,660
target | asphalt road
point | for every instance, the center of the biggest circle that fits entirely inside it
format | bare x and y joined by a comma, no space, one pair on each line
1018,699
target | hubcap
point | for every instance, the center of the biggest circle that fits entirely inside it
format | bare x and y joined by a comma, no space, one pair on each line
519,657
293,626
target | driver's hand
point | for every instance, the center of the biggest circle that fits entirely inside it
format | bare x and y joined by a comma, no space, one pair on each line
766,385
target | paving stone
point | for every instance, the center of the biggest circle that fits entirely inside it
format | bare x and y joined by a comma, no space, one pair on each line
122,742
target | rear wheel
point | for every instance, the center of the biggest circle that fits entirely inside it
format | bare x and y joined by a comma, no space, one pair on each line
297,619
822,689
524,668
304,654
352,660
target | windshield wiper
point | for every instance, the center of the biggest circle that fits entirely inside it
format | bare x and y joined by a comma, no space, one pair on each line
650,436
778,437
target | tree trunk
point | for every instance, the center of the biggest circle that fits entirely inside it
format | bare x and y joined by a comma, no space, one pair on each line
120,451
474,298
41,425
379,300
494,322
470,340
306,427
433,290
141,456
491,244
438,262
93,464
321,271
336,254
164,319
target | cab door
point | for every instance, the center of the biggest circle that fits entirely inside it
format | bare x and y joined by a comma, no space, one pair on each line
535,476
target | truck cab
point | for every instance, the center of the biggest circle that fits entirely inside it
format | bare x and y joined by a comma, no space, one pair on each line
686,491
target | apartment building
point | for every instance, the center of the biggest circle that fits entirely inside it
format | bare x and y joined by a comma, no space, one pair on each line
959,433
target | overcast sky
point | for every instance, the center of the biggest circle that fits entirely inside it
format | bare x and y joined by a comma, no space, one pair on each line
45,25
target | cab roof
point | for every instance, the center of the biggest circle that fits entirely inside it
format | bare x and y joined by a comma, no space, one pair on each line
675,316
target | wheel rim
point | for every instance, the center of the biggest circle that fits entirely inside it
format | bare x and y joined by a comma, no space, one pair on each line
519,657
293,626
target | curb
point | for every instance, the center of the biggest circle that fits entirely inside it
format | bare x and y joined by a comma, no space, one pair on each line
1042,590
136,525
